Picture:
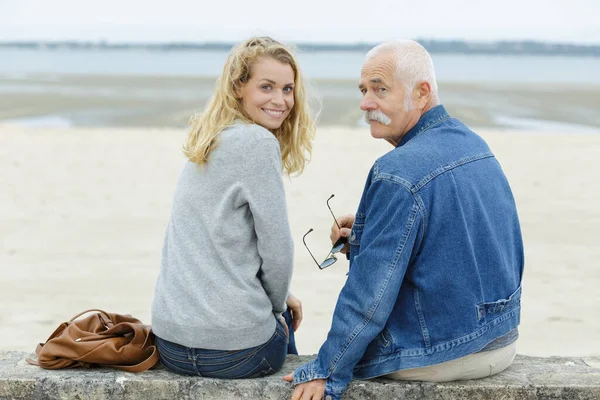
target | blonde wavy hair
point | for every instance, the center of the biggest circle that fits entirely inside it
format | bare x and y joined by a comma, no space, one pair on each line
295,134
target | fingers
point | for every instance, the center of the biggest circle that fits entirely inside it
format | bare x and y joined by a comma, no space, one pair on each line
289,377
297,316
345,222
313,390
287,331
298,391
345,232
335,234
295,307
297,322
307,394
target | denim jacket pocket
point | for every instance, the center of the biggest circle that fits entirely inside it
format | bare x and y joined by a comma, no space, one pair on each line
380,346
499,306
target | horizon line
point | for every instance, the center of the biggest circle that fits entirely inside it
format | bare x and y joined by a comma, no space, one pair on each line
295,42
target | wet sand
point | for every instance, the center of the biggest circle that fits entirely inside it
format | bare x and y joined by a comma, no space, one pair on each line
166,101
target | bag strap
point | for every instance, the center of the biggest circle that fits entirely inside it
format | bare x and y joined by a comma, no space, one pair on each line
90,310
141,367
31,361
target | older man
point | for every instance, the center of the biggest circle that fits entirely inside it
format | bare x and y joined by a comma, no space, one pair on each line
436,253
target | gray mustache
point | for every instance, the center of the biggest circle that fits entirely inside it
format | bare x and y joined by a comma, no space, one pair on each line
376,115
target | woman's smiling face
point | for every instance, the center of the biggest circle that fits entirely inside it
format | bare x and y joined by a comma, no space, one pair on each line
268,96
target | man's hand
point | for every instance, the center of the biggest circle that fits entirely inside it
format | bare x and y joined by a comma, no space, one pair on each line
345,222
313,390
295,307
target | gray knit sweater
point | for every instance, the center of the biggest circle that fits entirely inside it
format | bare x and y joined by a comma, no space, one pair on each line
228,253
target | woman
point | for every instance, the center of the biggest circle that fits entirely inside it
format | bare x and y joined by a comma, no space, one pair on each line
227,256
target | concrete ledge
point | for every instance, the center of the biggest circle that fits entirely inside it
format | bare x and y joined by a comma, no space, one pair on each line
529,378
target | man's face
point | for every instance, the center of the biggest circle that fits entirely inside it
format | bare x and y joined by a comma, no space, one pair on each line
384,96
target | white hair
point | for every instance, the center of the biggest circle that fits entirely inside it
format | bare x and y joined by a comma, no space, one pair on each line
413,65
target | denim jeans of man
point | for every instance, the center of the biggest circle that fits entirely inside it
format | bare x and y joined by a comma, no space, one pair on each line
254,362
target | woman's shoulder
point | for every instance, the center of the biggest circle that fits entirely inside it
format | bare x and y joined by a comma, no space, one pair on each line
252,142
245,132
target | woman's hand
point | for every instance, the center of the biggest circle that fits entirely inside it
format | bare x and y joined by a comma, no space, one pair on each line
285,327
295,307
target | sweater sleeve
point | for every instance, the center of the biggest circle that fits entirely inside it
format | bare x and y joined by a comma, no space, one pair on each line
264,191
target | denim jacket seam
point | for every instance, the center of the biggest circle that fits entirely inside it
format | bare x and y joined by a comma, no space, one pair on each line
487,308
477,333
317,374
395,179
422,324
441,170
377,176
419,201
432,123
373,308
448,344
410,188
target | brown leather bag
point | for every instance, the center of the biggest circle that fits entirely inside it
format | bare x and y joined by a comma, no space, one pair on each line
100,339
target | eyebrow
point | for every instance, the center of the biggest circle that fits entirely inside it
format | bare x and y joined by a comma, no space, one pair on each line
372,80
275,83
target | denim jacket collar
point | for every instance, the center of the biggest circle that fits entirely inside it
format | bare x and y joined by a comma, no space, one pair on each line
432,117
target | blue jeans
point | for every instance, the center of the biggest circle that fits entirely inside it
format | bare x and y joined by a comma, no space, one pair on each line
254,362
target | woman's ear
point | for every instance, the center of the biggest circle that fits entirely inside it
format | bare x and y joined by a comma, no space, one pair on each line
237,90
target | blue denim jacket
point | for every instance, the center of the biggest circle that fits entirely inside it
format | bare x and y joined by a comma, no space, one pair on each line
436,259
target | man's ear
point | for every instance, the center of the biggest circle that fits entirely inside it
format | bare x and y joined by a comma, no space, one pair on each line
423,94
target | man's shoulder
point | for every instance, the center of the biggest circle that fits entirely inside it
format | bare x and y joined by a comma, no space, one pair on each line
438,148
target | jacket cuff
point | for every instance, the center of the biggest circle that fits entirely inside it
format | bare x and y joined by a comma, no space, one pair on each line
311,371
308,372
332,393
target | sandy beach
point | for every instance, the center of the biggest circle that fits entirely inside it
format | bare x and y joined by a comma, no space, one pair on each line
83,212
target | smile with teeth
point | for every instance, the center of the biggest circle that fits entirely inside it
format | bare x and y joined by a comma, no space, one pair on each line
274,113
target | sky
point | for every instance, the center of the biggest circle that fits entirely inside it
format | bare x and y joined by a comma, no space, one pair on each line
320,21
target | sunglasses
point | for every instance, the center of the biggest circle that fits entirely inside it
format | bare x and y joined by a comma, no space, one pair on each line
337,246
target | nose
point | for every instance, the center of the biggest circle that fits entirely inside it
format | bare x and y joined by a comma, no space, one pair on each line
277,98
367,104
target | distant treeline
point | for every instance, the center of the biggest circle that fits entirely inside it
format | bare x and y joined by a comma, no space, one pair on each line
434,46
